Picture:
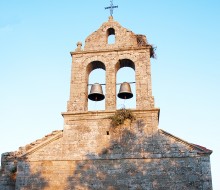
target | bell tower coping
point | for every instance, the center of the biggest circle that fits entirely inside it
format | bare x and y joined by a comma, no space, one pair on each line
110,50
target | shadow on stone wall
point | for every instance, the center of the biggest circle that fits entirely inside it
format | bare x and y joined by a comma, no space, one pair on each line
27,179
122,165
136,157
7,180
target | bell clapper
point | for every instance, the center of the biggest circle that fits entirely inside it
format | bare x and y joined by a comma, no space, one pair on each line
96,104
124,102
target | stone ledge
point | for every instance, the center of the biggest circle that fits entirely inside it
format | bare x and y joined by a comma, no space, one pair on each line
111,50
99,114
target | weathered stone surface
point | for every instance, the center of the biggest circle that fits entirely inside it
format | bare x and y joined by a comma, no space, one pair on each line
165,173
89,153
134,155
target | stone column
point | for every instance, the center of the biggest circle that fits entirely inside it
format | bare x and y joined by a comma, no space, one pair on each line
78,88
110,97
144,99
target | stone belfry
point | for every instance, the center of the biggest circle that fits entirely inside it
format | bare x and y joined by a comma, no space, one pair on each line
129,50
91,153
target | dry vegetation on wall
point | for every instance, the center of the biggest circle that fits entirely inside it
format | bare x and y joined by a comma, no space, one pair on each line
153,51
120,116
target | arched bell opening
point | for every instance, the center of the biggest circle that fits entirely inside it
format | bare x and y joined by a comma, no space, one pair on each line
125,84
96,88
111,36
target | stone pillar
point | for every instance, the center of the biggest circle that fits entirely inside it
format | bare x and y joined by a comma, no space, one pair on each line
78,88
144,99
110,96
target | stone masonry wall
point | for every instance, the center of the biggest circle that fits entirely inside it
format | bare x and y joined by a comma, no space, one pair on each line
134,155
152,174
8,171
90,134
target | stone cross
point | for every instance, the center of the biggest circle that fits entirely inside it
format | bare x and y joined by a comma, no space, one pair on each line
111,7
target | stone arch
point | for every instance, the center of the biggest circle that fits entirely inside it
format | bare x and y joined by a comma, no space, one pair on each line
124,63
110,33
95,65
91,67
131,103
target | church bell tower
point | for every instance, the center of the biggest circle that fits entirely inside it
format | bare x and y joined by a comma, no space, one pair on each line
128,50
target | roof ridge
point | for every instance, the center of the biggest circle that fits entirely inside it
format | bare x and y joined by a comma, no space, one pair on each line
203,150
27,148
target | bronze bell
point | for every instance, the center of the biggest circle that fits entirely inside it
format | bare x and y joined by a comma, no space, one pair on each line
96,93
125,91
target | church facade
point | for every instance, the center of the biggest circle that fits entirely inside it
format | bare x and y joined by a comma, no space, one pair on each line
91,153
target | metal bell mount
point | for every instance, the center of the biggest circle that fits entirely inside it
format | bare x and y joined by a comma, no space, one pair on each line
96,93
125,91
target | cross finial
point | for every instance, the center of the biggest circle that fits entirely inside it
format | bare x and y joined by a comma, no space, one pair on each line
111,7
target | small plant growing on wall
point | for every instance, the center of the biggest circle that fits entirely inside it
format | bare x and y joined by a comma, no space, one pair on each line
153,51
120,116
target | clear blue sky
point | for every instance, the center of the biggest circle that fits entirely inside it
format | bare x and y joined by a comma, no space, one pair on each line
37,36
